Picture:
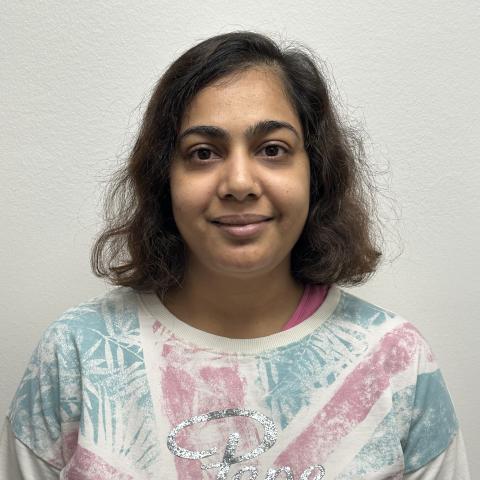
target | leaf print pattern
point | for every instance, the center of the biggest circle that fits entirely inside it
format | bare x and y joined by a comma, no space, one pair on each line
99,340
293,372
358,392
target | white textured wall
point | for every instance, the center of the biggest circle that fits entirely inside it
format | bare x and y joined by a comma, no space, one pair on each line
76,75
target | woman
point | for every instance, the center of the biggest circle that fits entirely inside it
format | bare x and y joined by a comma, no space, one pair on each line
228,349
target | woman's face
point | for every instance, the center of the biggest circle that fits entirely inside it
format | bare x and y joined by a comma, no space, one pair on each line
266,173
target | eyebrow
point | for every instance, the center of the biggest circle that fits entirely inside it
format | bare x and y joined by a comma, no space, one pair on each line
260,128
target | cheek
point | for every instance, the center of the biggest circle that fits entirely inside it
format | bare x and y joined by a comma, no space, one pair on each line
188,198
295,196
181,200
299,204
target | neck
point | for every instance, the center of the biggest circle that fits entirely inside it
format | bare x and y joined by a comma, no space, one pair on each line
236,307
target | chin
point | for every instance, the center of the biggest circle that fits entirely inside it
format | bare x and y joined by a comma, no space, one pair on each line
248,267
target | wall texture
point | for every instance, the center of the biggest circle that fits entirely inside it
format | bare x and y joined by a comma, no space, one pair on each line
75,77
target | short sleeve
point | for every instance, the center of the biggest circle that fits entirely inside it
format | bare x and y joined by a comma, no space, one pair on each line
45,412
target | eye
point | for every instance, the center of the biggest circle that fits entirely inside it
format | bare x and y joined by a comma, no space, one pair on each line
204,154
273,147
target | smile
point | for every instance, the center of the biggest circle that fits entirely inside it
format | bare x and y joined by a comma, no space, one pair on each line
241,231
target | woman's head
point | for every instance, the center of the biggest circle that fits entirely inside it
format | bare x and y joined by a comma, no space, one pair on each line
142,246
225,165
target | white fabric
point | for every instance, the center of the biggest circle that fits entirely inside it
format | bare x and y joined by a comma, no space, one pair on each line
18,462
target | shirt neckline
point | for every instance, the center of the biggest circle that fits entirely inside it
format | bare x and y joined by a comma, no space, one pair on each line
153,312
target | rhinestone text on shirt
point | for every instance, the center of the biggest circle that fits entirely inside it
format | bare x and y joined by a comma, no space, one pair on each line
229,458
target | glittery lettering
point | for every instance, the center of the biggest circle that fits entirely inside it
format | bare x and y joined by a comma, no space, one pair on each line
229,458
269,439
309,470
253,475
273,472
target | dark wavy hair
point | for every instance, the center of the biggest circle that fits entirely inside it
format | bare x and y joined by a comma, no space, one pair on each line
141,246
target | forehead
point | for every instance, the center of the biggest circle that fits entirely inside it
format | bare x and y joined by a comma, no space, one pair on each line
241,99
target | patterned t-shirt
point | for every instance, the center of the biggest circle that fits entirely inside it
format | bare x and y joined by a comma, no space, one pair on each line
119,388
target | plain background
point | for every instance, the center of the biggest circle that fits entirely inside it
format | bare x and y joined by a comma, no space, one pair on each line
76,76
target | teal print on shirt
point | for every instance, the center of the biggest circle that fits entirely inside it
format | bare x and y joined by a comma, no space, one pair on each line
88,373
433,424
293,372
423,436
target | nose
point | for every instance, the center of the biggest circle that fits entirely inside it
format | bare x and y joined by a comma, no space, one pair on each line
239,176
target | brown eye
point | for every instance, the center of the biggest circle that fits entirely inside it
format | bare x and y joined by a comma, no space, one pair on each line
203,154
273,149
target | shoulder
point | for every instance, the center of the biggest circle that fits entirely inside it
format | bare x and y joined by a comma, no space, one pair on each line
83,335
89,334
356,310
82,350
385,344
382,327
391,363
117,306
112,314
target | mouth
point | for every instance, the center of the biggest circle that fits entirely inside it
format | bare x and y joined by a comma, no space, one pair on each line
241,224
240,219
243,230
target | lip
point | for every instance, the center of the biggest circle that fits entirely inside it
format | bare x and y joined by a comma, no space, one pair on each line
241,219
244,231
